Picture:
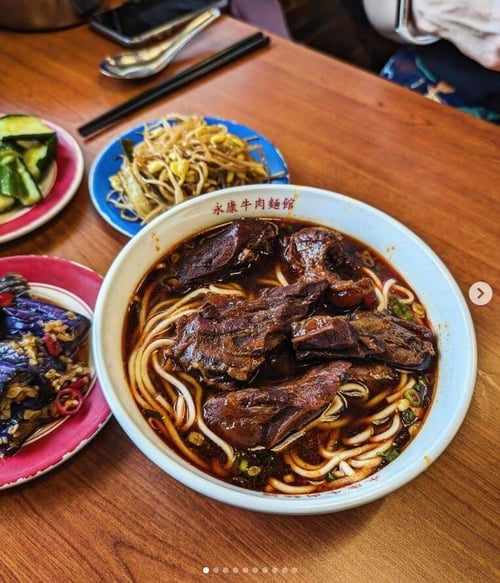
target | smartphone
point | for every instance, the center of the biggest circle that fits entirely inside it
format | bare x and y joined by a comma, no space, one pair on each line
139,22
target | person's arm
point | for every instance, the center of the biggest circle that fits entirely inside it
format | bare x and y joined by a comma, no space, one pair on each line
473,27
382,16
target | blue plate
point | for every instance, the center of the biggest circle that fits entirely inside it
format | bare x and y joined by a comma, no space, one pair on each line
109,161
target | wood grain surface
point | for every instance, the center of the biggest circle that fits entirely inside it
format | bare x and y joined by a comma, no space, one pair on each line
108,513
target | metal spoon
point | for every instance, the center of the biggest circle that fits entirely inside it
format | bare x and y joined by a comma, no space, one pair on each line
149,61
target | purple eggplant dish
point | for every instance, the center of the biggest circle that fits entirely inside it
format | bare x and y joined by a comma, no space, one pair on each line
42,377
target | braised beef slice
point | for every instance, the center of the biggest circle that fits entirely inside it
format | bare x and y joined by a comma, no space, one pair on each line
229,339
314,248
317,251
326,337
265,416
363,334
230,251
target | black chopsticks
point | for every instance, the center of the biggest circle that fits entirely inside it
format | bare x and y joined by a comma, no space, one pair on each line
181,79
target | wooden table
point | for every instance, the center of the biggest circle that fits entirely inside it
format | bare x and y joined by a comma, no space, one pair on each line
108,514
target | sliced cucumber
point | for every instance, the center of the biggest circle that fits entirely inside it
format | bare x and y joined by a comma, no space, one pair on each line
7,154
9,184
6,202
17,183
19,126
27,149
39,157
29,192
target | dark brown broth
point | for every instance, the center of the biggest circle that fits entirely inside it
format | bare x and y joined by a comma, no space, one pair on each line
360,255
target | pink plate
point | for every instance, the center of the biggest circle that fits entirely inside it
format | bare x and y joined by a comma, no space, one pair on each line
76,287
68,173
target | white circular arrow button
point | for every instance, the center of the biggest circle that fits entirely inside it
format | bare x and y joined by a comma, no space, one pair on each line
480,293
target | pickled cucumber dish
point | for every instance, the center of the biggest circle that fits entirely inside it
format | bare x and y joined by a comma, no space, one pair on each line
28,148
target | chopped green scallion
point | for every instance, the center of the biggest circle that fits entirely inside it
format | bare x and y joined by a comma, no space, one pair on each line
401,310
413,397
408,417
254,471
389,455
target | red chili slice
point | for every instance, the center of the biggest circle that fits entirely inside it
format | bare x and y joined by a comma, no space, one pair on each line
53,346
68,401
80,384
6,299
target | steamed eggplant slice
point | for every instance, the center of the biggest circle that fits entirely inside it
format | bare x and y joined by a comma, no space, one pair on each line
24,314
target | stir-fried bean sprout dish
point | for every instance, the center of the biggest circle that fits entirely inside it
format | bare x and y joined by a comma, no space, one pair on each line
280,356
181,157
